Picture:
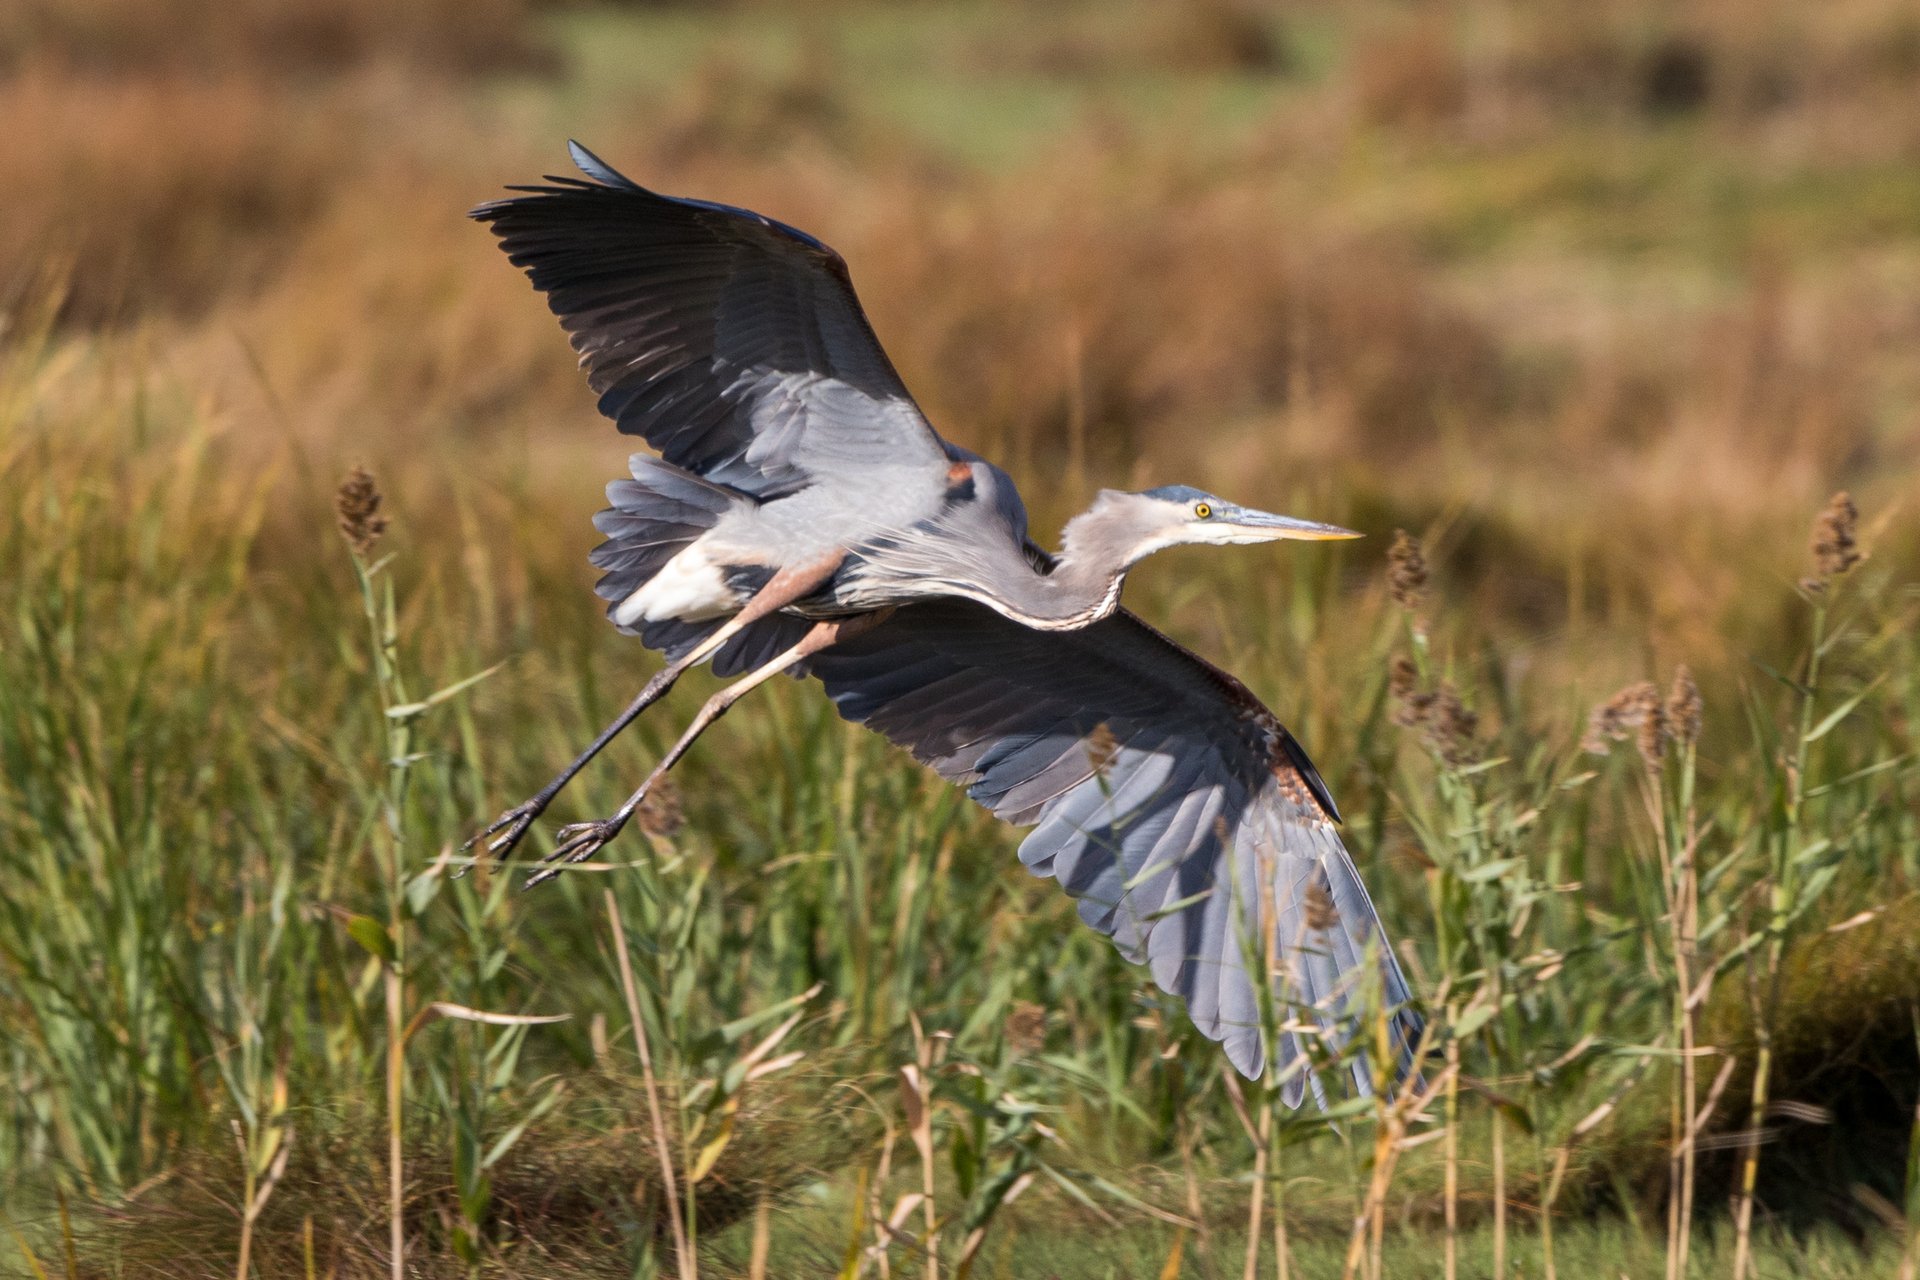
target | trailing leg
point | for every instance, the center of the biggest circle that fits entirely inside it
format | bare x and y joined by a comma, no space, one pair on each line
582,840
783,589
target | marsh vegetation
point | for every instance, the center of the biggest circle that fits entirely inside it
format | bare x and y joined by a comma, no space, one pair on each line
1604,305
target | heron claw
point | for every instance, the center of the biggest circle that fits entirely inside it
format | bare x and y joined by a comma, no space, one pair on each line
513,826
577,842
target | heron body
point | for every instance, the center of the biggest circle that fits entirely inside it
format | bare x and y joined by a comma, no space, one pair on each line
801,515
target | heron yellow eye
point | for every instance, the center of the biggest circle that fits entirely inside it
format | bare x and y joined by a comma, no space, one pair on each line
1202,510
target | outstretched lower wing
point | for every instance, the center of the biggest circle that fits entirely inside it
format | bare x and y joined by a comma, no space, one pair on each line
731,343
1187,821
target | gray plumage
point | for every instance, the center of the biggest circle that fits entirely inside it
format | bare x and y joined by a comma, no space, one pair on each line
1161,793
803,515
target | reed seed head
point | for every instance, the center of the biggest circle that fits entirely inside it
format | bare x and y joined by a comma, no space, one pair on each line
1102,747
1403,683
1406,570
1652,738
1452,727
1445,721
661,813
1834,544
1322,915
1635,712
1685,707
356,504
1026,1027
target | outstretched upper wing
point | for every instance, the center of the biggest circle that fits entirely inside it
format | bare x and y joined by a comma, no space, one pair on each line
1173,805
731,343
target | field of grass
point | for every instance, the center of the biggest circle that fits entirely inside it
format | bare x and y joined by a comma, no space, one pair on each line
1604,304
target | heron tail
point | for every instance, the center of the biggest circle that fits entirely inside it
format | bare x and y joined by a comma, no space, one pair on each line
654,517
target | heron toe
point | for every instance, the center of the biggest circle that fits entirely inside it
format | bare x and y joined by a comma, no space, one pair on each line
578,841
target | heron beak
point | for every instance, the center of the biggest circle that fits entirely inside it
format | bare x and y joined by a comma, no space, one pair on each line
1264,526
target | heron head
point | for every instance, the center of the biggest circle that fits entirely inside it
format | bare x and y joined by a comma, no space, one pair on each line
1119,530
1178,514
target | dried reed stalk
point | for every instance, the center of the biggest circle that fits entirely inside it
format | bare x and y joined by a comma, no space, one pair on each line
1835,550
1452,1160
682,1256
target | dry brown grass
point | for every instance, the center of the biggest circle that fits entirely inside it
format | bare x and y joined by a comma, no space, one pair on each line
1083,318
1411,74
1740,63
299,37
733,107
566,1199
1133,303
1210,36
1080,314
156,195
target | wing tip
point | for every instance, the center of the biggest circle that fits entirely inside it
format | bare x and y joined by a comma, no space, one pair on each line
604,178
599,170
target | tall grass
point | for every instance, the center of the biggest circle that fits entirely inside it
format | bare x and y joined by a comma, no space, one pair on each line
198,932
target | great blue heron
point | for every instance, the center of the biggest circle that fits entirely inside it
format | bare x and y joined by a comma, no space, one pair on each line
802,515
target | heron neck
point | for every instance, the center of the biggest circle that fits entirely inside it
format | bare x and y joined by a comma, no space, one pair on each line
1097,547
1077,593
973,553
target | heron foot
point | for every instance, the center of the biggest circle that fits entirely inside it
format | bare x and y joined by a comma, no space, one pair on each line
509,829
578,842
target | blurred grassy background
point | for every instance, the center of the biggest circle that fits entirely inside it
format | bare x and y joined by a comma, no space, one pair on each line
1603,300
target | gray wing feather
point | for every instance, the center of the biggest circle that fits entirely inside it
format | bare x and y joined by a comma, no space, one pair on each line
1164,798
732,343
